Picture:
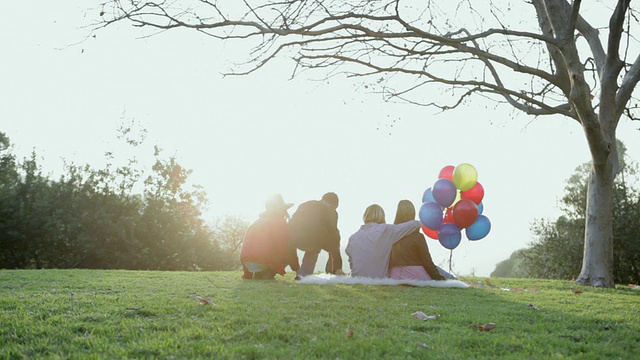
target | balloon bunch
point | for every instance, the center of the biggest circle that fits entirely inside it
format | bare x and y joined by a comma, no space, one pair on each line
453,203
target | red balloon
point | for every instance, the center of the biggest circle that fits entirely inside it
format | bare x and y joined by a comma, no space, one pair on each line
448,216
465,213
447,172
430,233
475,194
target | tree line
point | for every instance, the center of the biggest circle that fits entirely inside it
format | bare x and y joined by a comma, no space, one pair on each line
557,249
120,217
114,217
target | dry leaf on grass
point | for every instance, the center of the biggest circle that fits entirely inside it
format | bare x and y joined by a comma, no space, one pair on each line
422,316
489,326
205,300
533,306
349,332
485,327
576,291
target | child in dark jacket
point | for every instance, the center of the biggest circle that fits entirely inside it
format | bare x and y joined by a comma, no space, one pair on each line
314,227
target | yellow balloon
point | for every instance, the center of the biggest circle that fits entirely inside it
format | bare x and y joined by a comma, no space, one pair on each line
465,176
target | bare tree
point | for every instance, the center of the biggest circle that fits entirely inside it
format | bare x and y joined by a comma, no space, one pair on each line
541,57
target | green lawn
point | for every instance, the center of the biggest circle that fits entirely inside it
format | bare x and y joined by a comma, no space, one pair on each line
85,314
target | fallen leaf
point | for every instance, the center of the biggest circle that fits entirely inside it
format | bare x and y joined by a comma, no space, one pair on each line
423,345
349,332
422,316
489,326
576,291
485,327
204,300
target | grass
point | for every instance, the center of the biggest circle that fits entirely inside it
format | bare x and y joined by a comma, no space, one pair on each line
88,314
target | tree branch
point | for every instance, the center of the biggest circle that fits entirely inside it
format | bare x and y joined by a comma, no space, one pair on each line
629,83
543,109
329,32
609,97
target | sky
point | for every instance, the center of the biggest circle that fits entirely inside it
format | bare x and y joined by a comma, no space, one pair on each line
65,94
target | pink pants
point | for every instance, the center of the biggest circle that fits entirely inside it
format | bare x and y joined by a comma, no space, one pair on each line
409,272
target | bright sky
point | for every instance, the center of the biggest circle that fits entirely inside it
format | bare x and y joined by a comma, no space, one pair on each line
248,137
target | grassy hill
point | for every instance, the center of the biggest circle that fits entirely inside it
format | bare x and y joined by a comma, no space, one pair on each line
73,314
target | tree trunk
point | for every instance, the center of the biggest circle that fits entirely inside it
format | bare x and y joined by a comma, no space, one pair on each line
597,262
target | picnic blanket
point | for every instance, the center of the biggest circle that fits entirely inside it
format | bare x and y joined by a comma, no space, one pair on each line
329,279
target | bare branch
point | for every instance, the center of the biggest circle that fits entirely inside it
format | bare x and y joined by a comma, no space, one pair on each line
613,65
629,83
390,35
592,36
487,87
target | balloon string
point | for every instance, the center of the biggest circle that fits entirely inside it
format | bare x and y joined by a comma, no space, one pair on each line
450,256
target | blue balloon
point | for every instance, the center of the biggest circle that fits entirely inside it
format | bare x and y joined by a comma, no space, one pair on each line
428,196
444,192
449,235
480,208
479,229
430,215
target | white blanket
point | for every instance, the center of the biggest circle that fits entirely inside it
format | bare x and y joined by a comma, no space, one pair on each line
328,279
